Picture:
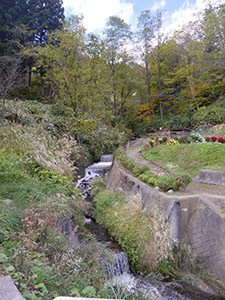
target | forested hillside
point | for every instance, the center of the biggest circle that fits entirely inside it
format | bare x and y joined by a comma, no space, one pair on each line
119,79
67,96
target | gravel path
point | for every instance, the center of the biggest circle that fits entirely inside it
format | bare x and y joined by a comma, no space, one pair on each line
209,192
134,153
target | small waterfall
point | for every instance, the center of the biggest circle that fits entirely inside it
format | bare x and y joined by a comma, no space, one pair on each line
117,265
94,171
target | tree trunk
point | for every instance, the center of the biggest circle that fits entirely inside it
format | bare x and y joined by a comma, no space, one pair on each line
148,84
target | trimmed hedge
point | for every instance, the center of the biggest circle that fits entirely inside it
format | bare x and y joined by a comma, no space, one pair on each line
165,183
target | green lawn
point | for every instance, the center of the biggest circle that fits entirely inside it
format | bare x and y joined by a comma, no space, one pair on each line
188,159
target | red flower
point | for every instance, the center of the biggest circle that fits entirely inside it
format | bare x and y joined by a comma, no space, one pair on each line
213,138
221,140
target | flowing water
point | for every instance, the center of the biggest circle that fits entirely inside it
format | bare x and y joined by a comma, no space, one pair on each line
117,267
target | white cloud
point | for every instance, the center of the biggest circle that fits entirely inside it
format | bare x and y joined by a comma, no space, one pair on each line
186,13
96,12
158,4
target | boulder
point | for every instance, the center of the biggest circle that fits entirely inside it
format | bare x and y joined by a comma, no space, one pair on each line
8,290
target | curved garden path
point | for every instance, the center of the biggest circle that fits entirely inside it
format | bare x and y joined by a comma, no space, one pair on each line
212,195
134,152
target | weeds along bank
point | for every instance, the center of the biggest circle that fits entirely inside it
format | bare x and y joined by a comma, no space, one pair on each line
37,164
31,122
144,236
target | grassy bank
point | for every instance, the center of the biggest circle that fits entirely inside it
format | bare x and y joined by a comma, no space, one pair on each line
32,250
37,165
188,159
144,236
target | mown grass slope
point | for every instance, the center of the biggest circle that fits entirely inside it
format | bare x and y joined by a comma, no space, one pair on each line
188,158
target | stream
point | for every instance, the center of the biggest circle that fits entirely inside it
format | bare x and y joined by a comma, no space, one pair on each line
118,271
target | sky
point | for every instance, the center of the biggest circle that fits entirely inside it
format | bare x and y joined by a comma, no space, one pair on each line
97,12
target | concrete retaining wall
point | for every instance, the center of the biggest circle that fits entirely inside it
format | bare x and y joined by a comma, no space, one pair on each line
197,219
212,177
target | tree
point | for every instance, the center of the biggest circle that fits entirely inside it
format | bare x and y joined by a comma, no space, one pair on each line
10,73
13,17
117,33
45,16
61,64
146,34
213,27
158,59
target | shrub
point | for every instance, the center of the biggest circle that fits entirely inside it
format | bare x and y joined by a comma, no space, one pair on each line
144,178
184,140
178,122
137,171
213,114
166,183
152,181
186,179
143,168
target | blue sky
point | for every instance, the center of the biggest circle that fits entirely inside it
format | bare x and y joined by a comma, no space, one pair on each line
96,12
170,5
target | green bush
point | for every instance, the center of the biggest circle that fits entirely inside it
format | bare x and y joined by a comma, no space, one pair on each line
152,181
178,122
144,178
185,140
213,114
143,168
166,183
137,171
185,179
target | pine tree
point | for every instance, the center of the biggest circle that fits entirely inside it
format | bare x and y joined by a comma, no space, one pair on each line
12,25
44,17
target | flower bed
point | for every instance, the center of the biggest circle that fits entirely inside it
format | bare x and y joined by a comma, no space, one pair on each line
215,139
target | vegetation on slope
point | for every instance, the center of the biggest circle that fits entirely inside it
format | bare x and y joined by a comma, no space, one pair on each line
32,250
36,190
98,85
144,236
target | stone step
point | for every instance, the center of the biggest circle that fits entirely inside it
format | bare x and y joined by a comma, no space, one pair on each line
8,290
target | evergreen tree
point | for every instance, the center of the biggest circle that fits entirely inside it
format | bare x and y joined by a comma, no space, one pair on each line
13,17
44,17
